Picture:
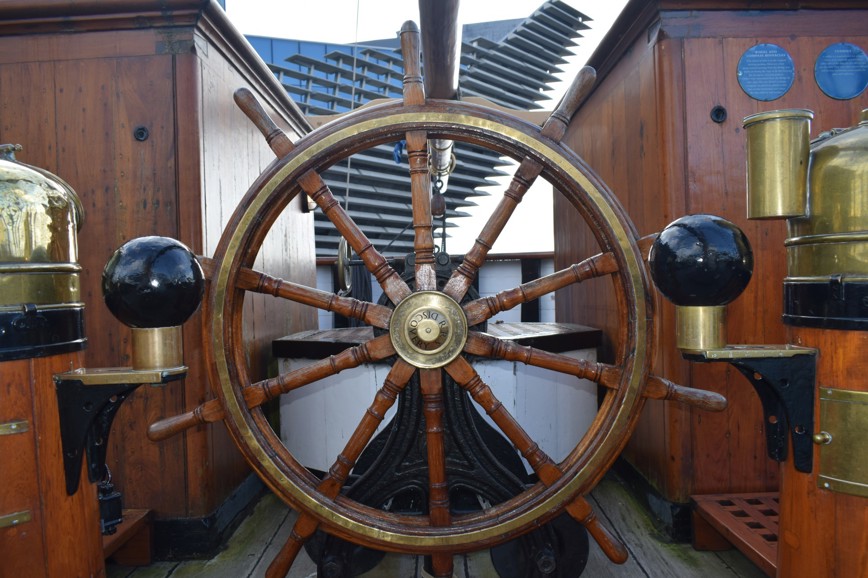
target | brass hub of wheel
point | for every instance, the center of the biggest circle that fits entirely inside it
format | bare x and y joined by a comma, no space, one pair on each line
428,329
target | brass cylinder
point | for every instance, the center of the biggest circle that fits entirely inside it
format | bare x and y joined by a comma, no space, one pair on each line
833,239
41,312
700,328
157,347
38,244
778,144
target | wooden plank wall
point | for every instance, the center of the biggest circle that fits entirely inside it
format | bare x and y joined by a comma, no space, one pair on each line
72,95
62,537
647,131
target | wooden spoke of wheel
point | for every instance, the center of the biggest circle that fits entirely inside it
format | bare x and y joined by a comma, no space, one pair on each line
485,345
312,184
467,378
417,157
393,385
554,128
331,484
609,376
370,313
420,185
465,273
393,286
484,308
251,280
431,387
546,469
258,393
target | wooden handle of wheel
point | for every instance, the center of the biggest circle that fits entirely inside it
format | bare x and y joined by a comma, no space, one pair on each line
660,388
276,138
208,412
611,546
556,124
301,532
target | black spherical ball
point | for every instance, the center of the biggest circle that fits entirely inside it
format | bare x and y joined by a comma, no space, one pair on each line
701,260
152,282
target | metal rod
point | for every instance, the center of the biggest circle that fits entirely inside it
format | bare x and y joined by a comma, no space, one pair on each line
441,53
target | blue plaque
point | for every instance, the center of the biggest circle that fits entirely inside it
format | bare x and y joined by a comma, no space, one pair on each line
841,71
766,71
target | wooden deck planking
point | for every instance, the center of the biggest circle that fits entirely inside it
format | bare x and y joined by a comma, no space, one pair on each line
278,536
653,554
259,537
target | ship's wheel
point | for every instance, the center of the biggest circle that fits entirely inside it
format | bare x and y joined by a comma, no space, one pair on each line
429,329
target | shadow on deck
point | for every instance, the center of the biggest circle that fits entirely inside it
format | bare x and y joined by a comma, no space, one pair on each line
652,554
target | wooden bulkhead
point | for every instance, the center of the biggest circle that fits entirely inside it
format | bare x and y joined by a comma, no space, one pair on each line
663,128
131,103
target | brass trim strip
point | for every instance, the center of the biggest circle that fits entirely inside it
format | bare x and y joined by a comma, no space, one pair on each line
19,308
15,519
826,278
754,351
39,287
120,375
843,420
40,268
860,236
843,395
782,114
14,427
828,258
842,486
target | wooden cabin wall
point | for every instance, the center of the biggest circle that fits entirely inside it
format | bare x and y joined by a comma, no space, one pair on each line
620,131
647,131
73,89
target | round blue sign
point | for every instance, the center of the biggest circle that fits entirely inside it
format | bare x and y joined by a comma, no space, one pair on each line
841,71
766,72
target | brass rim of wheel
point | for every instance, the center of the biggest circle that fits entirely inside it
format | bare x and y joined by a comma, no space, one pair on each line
241,241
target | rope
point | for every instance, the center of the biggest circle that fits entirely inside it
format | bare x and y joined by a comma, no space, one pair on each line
352,103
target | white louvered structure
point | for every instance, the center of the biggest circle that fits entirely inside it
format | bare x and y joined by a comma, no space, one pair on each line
512,63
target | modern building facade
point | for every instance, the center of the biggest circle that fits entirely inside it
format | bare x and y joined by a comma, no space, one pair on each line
512,63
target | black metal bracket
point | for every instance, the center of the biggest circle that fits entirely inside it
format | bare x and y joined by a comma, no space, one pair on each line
87,403
785,380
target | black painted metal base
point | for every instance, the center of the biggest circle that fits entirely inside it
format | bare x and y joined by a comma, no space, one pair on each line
482,467
33,332
835,304
558,549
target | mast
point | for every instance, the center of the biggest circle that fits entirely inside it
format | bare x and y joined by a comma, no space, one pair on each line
441,57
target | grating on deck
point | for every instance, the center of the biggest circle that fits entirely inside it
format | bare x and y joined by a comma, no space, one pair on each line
748,521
